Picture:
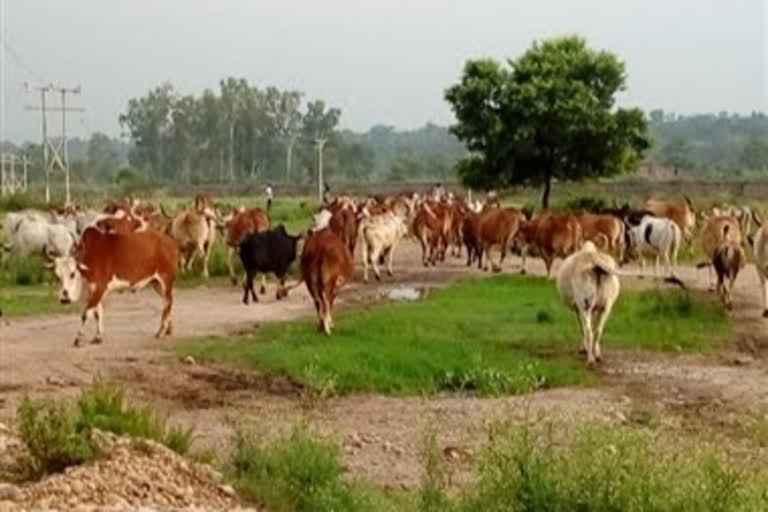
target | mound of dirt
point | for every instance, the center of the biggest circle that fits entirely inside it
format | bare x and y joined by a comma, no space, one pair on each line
133,475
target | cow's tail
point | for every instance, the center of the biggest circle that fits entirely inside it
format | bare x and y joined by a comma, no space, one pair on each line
689,203
756,218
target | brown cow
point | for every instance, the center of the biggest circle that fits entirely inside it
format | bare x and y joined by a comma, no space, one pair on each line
470,234
498,226
326,265
551,236
716,232
728,260
681,212
344,222
606,231
242,223
195,232
104,262
431,226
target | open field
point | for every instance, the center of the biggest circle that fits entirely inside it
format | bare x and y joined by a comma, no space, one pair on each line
463,372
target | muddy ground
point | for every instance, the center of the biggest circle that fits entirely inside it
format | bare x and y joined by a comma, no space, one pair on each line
382,436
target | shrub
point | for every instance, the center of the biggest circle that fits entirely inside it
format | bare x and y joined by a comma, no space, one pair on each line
105,408
586,203
297,473
53,440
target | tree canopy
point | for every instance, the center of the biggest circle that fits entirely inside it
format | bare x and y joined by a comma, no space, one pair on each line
548,115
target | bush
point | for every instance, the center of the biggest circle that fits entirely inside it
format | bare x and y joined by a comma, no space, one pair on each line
105,408
21,202
22,271
53,440
610,469
297,473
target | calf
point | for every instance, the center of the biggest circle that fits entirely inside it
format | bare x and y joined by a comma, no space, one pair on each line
728,261
195,233
657,237
380,235
326,265
104,262
588,283
241,224
272,251
498,227
470,234
716,232
605,229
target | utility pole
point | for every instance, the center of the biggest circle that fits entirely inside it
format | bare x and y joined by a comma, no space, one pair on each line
320,144
10,183
55,153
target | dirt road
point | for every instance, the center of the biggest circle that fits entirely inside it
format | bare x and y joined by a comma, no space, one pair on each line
36,356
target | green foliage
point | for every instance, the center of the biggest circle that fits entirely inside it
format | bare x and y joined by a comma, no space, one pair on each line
105,408
549,115
17,202
23,271
49,430
605,469
719,145
590,204
484,336
298,473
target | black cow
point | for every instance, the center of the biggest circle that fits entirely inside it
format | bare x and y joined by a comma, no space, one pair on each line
271,251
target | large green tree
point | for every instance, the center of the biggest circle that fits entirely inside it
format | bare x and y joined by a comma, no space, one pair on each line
549,115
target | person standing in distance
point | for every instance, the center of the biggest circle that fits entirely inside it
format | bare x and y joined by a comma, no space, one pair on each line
268,192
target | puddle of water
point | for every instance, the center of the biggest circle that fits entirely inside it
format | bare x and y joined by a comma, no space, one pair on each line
405,294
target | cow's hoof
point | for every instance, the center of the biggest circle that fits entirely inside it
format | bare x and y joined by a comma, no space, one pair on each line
76,343
729,307
523,272
233,280
245,301
765,313
97,340
582,351
263,290
378,277
496,270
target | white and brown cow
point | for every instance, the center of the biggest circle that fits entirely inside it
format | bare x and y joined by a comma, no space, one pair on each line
380,235
105,262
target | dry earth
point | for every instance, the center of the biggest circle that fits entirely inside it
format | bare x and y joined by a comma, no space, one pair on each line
382,436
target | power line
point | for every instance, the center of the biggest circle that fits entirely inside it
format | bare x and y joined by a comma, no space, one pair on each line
13,53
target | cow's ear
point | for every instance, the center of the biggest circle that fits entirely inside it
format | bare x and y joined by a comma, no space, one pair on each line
82,267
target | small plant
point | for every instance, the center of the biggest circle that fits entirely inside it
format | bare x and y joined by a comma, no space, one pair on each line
297,473
106,408
320,385
490,381
435,479
53,440
544,317
590,204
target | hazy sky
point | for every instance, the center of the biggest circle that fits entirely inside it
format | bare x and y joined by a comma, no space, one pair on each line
387,61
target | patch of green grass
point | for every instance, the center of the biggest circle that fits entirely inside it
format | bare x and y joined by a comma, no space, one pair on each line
105,408
31,300
611,469
299,473
505,334
54,442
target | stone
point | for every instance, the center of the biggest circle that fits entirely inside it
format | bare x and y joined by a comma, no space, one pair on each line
9,492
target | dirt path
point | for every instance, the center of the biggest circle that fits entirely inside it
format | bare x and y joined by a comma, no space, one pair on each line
382,435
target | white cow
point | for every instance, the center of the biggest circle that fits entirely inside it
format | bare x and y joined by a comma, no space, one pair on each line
760,249
29,235
658,237
588,283
380,235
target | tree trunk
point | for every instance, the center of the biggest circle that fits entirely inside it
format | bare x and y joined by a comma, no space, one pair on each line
288,159
231,152
547,191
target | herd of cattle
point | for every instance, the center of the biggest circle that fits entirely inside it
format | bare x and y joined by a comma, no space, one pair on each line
130,244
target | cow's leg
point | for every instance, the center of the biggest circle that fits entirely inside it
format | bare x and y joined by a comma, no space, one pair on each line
206,252
548,260
423,243
99,316
709,278
390,261
263,287
366,260
375,254
230,265
764,283
588,337
583,342
601,317
327,321
164,288
248,288
91,307
488,260
656,266
523,260
281,291
642,267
